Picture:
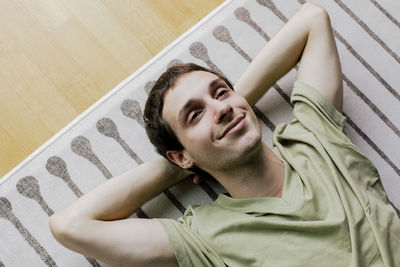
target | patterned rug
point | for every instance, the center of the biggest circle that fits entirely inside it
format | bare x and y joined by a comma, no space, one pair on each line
109,138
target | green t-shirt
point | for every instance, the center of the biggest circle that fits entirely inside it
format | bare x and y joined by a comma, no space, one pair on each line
333,211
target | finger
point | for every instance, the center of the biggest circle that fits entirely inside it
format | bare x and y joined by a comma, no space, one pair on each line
196,179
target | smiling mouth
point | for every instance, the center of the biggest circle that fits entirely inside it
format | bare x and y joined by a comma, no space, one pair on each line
231,125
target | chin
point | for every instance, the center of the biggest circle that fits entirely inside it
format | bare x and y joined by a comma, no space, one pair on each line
251,143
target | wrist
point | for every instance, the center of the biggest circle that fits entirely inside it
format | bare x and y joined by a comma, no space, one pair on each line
173,172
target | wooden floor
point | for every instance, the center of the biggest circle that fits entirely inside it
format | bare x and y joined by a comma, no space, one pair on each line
57,57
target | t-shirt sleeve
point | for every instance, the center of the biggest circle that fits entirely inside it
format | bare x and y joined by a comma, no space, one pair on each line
189,247
316,113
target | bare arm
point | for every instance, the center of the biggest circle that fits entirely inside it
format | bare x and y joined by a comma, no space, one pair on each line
307,37
95,224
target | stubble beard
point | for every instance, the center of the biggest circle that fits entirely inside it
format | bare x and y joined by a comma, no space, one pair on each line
247,151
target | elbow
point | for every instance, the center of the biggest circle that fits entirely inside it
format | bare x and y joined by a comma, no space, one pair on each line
315,10
317,16
55,226
68,232
59,228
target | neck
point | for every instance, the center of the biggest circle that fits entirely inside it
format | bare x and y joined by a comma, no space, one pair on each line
260,175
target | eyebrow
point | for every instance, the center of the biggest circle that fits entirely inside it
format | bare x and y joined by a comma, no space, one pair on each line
191,102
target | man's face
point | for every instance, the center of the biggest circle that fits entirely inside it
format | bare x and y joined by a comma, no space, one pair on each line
216,126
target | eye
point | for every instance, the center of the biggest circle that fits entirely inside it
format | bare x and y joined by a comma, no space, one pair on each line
193,115
221,93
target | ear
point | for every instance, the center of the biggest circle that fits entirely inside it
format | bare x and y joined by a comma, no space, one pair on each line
181,158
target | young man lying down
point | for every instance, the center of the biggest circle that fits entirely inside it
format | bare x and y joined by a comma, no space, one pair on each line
312,200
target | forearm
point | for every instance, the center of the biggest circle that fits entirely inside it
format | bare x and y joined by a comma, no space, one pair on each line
121,195
279,56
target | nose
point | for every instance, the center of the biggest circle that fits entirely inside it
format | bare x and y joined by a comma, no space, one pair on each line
223,111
